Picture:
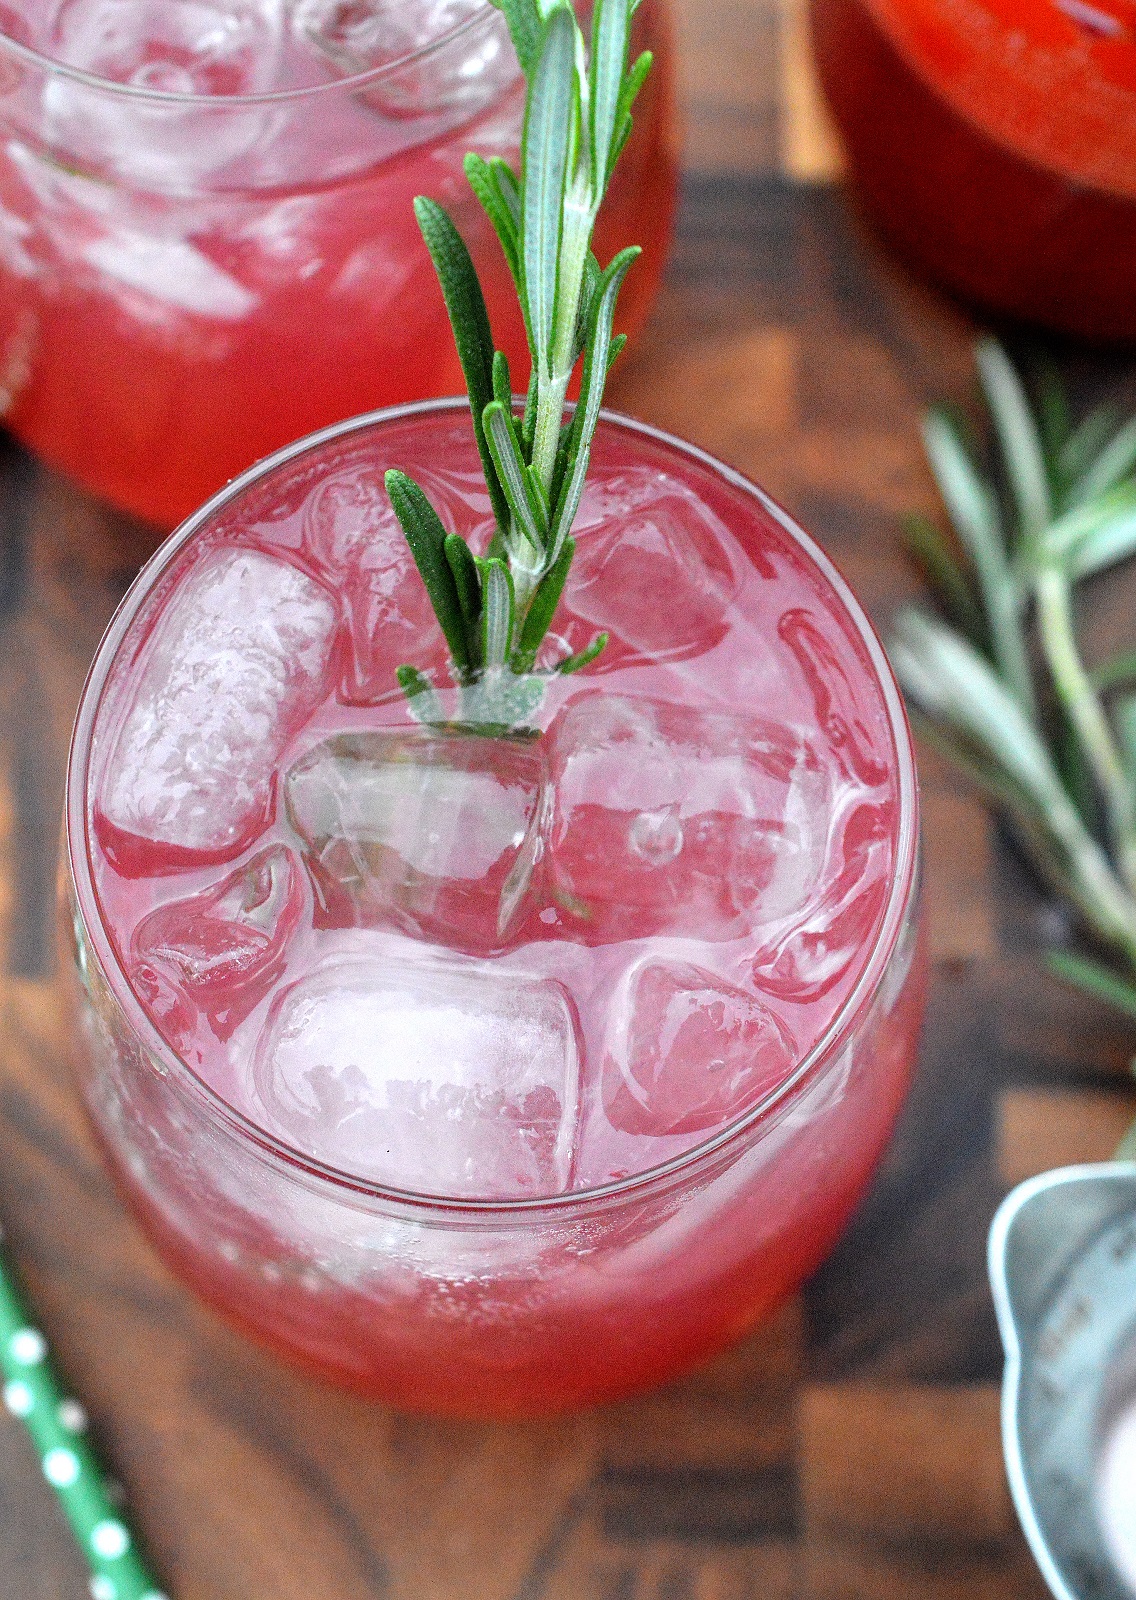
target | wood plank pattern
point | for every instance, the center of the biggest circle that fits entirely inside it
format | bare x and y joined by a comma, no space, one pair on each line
904,1463
1039,1129
731,119
847,1450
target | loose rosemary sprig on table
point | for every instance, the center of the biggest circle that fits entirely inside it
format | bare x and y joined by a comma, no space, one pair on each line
496,609
1054,750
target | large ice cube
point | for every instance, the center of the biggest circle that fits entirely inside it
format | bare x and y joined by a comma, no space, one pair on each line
815,933
204,47
351,529
459,74
436,1076
17,246
226,946
139,256
667,817
651,565
237,659
687,1051
436,834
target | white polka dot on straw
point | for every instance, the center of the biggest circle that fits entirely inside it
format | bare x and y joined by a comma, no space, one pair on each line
27,1347
30,1389
18,1398
72,1416
61,1467
109,1539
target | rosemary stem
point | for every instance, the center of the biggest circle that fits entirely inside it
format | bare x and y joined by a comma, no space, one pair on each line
1065,852
495,610
1004,607
1086,714
552,389
525,582
1103,900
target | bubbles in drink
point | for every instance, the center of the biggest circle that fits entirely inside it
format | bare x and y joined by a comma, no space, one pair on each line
237,659
687,1051
438,834
432,1075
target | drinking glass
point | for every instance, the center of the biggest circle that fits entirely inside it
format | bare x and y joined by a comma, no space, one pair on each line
729,789
207,238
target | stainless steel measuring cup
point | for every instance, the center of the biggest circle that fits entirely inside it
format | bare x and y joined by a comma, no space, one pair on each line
1062,1259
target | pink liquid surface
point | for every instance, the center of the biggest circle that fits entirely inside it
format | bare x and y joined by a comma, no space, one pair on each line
508,971
185,287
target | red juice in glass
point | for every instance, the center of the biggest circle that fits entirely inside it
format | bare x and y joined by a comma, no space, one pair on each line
493,1075
992,141
207,239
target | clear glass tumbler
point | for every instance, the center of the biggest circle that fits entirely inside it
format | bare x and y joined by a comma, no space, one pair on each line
738,1075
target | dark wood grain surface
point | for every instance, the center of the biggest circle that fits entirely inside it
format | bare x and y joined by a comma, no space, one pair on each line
850,1448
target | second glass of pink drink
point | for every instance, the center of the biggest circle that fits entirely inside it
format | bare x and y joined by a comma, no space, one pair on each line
493,1075
207,244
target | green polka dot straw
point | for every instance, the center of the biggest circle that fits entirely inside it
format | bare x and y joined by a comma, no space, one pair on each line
58,1425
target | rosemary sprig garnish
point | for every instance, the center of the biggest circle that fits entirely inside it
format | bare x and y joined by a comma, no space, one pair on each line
495,609
1055,751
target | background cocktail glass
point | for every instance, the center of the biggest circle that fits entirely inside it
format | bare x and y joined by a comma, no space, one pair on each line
207,240
700,1193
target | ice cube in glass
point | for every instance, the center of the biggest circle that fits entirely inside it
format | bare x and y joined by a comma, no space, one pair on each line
668,816
237,659
438,834
432,1075
687,1050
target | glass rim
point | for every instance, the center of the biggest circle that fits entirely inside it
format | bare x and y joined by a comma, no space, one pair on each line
486,13
901,896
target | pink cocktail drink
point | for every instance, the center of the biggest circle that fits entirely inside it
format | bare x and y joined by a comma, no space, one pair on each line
207,243
493,1074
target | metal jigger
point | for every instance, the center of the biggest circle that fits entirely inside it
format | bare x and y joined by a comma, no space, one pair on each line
1062,1263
